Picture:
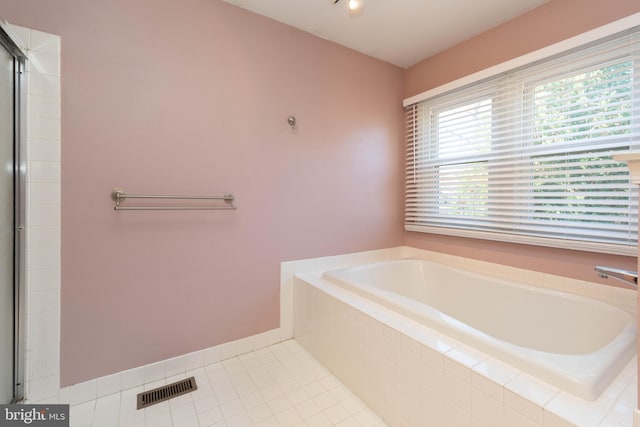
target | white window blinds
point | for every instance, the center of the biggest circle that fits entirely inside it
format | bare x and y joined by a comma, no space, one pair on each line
526,156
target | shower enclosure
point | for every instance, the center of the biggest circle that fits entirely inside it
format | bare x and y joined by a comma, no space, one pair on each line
12,213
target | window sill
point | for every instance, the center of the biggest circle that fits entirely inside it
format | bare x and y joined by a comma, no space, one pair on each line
575,245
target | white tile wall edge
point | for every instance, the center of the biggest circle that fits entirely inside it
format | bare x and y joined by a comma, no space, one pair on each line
636,418
620,297
153,372
43,140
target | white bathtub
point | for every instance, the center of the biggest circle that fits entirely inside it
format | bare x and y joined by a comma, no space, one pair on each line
574,343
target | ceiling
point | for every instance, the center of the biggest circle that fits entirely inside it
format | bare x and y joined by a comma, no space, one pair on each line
402,32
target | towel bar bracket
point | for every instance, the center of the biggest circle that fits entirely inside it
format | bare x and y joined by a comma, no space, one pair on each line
118,195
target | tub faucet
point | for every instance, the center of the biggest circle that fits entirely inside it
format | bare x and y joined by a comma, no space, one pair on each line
627,276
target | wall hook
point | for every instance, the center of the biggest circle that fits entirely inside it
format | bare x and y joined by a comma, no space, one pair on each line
292,122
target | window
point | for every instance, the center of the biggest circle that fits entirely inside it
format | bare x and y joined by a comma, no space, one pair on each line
527,156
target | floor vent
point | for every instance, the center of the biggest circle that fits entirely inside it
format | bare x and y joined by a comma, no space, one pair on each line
166,392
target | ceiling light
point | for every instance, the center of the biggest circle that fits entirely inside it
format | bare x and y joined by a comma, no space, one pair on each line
355,6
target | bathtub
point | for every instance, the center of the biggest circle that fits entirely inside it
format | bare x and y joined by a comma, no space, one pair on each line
574,343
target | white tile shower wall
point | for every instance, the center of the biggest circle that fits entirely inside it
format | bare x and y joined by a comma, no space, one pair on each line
410,375
42,347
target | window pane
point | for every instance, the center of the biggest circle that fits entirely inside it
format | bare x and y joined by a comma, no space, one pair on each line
465,130
572,184
463,189
589,105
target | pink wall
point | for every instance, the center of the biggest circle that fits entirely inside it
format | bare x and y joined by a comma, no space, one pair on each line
193,97
554,21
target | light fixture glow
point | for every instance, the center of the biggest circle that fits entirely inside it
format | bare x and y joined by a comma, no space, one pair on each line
354,6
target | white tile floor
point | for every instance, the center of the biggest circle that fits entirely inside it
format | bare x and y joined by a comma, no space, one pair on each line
280,385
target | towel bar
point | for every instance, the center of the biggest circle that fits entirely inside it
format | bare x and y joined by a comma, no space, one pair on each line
119,195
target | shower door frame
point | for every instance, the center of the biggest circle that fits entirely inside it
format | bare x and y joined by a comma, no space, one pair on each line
19,191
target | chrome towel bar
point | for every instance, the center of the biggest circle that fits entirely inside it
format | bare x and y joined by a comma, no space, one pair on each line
119,195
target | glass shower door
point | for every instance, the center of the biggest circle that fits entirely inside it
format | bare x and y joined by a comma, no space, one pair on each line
11,221
6,227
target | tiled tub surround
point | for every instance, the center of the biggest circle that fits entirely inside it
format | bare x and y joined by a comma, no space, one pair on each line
577,344
412,375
